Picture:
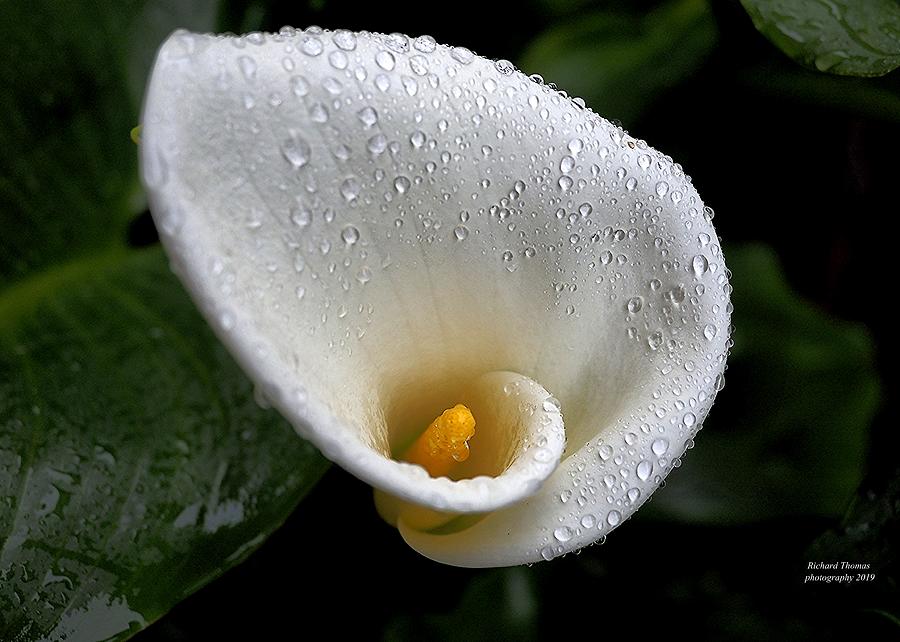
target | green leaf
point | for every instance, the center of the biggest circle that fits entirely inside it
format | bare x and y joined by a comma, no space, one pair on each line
618,62
844,37
788,434
135,465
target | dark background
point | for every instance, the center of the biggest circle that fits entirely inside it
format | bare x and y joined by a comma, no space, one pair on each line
801,168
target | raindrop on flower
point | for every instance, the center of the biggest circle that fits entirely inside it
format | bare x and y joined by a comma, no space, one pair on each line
311,46
296,150
367,116
350,189
385,60
563,533
350,235
659,447
461,54
248,67
425,44
402,184
700,264
644,470
417,138
505,67
344,39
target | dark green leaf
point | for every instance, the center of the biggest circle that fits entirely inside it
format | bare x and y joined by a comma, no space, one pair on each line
845,37
619,63
788,434
134,464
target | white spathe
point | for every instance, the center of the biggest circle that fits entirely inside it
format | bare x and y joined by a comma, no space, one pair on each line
381,227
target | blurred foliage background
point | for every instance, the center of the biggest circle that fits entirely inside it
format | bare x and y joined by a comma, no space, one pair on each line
797,462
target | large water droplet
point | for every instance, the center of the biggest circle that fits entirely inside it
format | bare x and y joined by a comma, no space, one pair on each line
402,184
644,470
425,44
367,116
461,54
344,39
659,447
350,235
385,60
563,533
311,46
700,264
350,189
296,150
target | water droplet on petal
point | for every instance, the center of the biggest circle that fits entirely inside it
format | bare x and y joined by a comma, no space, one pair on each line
350,189
296,150
248,67
385,60
417,138
350,235
463,55
644,470
311,46
700,265
425,44
344,39
659,447
402,184
338,60
367,116
299,86
505,67
563,533
377,144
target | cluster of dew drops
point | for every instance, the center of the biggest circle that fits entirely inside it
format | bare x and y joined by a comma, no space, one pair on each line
565,223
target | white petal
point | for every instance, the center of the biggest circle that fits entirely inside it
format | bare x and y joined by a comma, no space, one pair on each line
372,223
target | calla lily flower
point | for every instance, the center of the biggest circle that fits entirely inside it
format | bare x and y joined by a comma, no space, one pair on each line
467,289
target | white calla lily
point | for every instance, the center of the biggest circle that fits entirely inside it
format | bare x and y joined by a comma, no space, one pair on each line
381,227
